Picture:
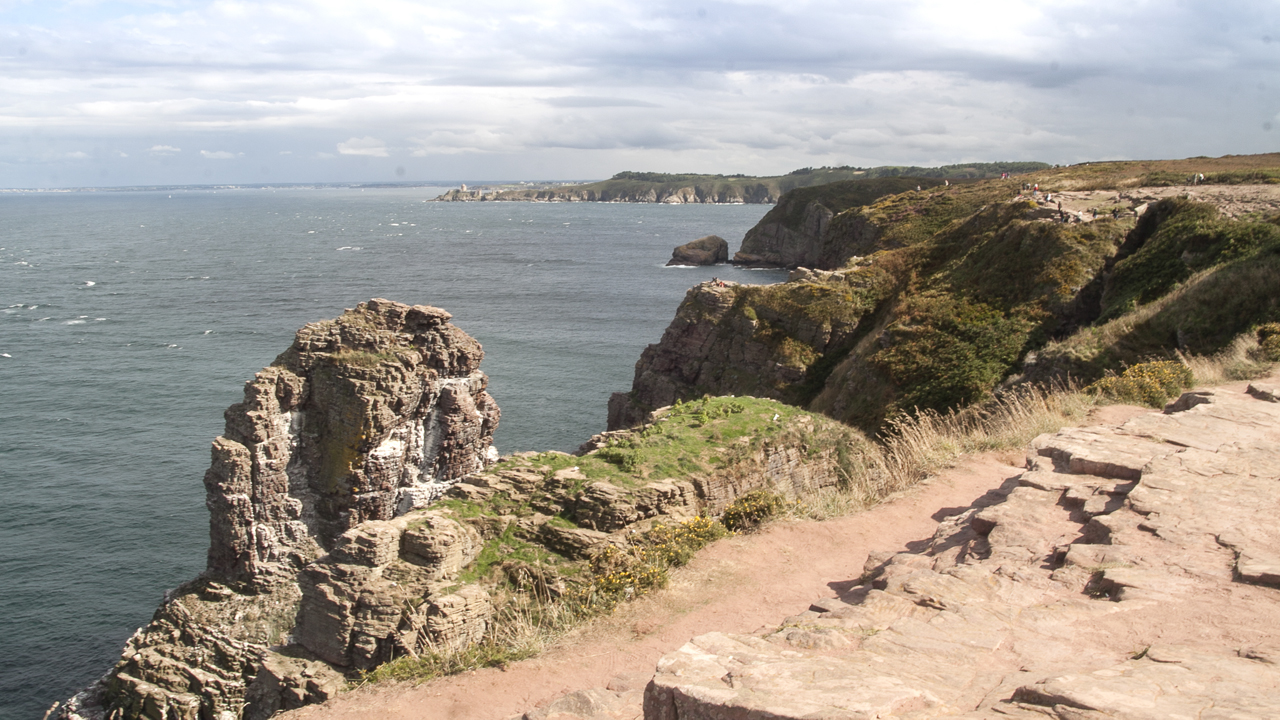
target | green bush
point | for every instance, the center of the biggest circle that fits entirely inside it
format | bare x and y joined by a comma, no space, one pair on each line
749,511
1269,340
1152,384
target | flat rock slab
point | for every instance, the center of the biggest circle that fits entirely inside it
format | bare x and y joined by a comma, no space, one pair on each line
1131,573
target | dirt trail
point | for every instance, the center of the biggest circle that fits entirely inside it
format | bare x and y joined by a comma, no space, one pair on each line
737,585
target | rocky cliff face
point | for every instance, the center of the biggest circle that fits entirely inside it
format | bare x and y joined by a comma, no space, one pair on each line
821,227
938,295
362,421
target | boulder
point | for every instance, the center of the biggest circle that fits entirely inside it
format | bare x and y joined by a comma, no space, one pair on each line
707,250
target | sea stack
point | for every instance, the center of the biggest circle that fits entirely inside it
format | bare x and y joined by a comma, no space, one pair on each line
364,420
707,250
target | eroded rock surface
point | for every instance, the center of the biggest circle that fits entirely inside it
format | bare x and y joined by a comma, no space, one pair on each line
313,494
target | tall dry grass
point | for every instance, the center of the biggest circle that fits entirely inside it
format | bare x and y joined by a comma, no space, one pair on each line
915,447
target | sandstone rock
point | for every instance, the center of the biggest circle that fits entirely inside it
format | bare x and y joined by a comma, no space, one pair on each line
440,544
1022,622
707,250
362,420
290,679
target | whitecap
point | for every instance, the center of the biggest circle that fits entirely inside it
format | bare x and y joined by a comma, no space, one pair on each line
5,355
99,319
349,247
43,319
172,346
206,332
73,322
89,283
22,262
311,232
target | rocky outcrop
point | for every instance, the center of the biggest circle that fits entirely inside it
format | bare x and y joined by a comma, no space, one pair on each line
707,250
821,227
316,540
1130,572
364,418
731,339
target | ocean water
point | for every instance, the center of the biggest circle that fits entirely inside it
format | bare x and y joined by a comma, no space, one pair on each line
130,321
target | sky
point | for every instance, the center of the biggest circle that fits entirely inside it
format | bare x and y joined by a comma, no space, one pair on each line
156,92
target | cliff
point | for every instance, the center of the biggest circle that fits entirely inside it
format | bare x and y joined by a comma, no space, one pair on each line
933,298
360,521
363,419
686,188
799,232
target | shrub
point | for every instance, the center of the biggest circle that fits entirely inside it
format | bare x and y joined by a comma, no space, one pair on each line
749,511
626,459
620,574
1269,341
1152,383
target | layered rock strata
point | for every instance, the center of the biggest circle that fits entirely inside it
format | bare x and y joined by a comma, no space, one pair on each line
315,535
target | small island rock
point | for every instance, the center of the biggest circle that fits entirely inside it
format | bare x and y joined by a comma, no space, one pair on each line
709,250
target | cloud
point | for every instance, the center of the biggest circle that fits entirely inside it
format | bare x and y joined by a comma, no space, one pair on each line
219,155
370,146
739,85
77,155
583,101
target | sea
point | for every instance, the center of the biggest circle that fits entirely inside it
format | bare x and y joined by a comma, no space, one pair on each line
130,320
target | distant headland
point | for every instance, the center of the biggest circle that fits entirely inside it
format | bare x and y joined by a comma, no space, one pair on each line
680,189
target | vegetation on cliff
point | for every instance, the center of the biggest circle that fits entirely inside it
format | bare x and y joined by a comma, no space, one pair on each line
932,299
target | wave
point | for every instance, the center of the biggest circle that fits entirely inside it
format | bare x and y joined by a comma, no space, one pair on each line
348,247
89,283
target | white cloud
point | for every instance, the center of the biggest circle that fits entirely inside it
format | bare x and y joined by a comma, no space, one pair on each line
219,155
78,155
370,146
744,86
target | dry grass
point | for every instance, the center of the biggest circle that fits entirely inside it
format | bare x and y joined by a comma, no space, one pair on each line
1243,359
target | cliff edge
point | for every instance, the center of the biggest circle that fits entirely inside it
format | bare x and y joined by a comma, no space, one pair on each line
364,419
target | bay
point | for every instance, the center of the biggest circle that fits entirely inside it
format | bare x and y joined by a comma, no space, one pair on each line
130,320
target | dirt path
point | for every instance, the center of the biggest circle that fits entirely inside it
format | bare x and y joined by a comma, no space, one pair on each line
737,585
